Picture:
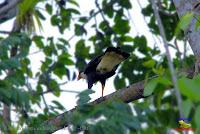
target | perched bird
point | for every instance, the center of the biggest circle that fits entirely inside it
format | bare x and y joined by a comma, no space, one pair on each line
103,66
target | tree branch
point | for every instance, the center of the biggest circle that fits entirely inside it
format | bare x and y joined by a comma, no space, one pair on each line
192,34
170,64
11,4
127,94
8,10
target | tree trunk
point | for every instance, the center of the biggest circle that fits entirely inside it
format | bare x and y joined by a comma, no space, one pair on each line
182,7
192,34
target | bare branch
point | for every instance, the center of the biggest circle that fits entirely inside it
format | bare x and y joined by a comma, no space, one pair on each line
51,91
170,64
36,52
63,83
9,6
45,103
8,10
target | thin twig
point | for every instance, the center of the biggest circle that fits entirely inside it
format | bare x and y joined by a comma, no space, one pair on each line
170,64
63,83
71,37
36,52
50,91
69,91
178,52
104,18
100,10
184,49
45,103
197,19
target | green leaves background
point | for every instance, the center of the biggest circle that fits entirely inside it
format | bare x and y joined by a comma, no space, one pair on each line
158,112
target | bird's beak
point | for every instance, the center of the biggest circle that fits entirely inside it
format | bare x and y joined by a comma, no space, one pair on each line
79,77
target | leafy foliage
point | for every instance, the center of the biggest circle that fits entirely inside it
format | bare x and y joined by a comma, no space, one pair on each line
110,117
108,24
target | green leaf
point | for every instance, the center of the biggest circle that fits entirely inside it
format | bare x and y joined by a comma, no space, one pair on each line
196,116
49,8
10,64
83,19
40,15
184,22
125,3
84,96
48,51
38,41
73,2
150,87
60,71
72,10
190,88
64,59
197,23
154,83
159,70
119,82
127,38
58,105
5,95
55,20
141,43
109,10
55,87
164,81
23,99
150,63
103,25
79,30
187,106
81,49
118,26
20,40
16,78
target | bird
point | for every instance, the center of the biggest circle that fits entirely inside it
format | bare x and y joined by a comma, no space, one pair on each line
103,66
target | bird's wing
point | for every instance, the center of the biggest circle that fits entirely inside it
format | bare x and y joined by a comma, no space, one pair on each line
93,64
118,51
111,59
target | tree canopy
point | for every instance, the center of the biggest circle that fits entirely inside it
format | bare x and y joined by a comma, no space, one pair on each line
155,88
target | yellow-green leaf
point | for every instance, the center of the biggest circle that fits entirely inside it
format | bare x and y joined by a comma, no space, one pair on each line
184,22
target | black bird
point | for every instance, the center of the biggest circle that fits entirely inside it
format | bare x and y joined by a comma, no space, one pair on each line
103,66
